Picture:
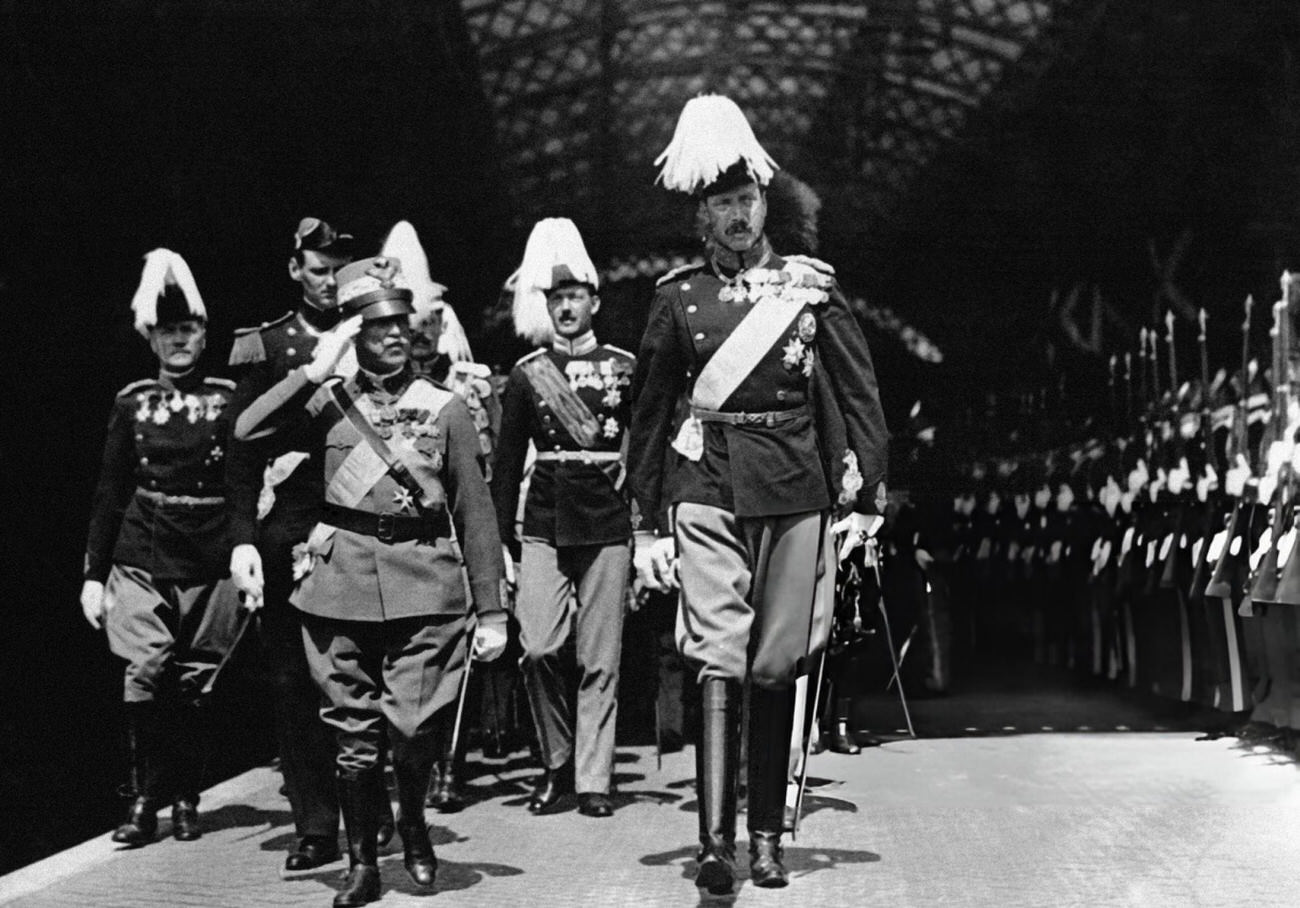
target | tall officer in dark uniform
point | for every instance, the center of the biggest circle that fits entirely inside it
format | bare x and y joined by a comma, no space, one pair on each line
274,502
572,401
157,550
784,423
383,595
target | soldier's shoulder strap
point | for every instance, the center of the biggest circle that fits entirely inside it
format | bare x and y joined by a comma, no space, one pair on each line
679,272
531,356
248,347
219,382
619,350
137,386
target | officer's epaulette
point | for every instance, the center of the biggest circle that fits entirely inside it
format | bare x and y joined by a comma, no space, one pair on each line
137,386
248,347
619,350
538,352
219,382
679,271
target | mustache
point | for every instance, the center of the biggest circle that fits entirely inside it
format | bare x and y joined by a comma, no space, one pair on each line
740,226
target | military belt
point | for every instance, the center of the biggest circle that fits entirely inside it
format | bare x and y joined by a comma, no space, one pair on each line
580,456
388,528
769,419
188,501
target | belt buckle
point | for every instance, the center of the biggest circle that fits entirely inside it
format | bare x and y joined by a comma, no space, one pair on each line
386,527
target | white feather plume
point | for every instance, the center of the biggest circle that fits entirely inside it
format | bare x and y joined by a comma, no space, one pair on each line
404,244
163,267
553,242
711,135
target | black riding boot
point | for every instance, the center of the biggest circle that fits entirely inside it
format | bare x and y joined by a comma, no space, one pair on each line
771,720
143,748
357,799
444,794
412,763
717,762
188,733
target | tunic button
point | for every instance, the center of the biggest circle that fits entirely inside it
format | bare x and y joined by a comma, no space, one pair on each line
153,483
200,483
144,461
291,351
692,308
546,417
139,437
686,286
700,336
292,331
780,395
557,447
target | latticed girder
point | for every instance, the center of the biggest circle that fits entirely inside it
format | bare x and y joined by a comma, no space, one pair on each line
586,92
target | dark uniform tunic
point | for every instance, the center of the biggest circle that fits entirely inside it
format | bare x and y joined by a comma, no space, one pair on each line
266,355
158,532
575,555
802,432
385,632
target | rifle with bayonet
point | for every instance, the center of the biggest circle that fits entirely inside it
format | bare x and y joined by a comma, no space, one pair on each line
1229,549
1275,485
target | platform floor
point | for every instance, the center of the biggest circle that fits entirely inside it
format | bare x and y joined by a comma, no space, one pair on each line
1074,819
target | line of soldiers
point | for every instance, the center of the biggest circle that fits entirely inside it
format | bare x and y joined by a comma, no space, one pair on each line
370,512
1158,548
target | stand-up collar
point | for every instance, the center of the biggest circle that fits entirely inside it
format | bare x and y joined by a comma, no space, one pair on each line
729,263
391,383
577,346
186,381
318,320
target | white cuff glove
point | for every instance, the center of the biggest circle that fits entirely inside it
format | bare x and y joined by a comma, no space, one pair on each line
94,604
246,575
857,529
330,349
655,561
490,639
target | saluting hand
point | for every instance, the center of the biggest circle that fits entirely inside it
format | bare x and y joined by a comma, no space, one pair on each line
330,349
93,603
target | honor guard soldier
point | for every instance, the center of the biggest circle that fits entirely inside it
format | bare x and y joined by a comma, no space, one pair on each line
571,400
383,593
275,494
157,550
783,424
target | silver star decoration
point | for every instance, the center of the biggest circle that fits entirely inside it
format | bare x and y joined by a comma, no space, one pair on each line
402,498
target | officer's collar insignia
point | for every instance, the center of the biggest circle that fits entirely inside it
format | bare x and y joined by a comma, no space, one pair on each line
575,347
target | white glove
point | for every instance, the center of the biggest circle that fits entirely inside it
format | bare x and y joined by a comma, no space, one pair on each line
1208,482
330,349
655,561
1279,452
1235,482
1138,477
490,639
857,529
1109,496
1179,477
1267,484
246,575
512,580
94,604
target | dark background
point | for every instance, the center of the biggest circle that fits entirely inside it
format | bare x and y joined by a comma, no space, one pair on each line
211,127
